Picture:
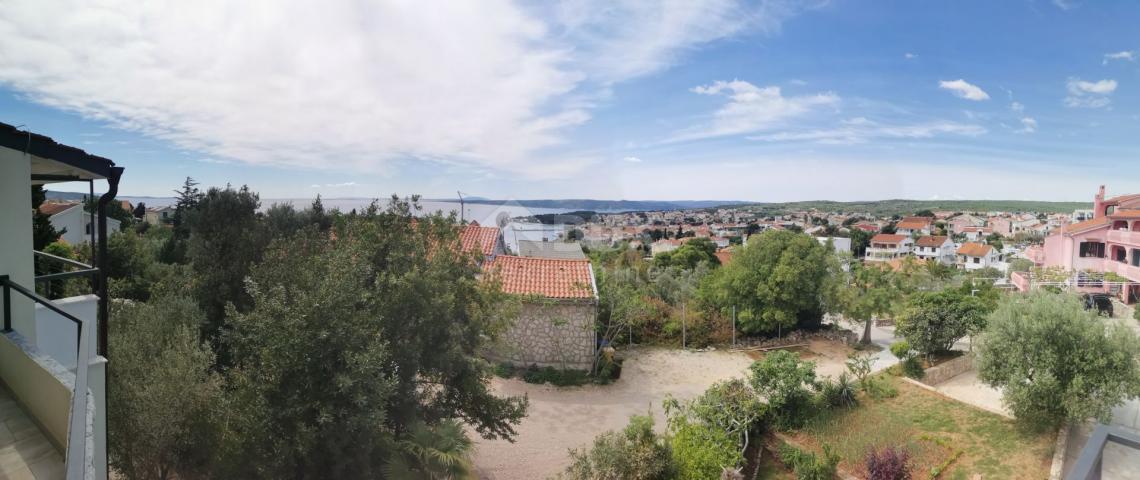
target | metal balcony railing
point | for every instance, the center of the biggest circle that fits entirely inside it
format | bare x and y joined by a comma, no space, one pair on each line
1090,463
77,424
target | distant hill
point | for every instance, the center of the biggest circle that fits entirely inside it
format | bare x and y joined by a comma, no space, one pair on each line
908,207
581,204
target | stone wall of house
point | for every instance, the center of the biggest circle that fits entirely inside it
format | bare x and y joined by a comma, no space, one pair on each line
549,333
948,370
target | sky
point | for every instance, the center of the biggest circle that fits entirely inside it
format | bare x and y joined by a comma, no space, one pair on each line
607,99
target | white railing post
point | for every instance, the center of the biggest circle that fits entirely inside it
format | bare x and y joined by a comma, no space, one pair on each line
76,460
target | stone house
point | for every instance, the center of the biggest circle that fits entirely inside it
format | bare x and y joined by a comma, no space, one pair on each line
559,305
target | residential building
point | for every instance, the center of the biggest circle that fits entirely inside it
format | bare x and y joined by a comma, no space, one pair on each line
159,215
936,248
884,247
664,245
555,324
915,226
961,222
840,244
976,234
559,250
76,226
487,241
53,363
1109,242
974,256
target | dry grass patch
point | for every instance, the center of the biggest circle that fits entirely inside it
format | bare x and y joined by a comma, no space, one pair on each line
916,419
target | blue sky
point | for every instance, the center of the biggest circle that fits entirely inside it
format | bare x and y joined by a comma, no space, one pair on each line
673,99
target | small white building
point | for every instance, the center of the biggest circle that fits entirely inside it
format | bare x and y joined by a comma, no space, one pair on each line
915,226
664,245
974,256
937,248
885,247
76,224
841,244
159,215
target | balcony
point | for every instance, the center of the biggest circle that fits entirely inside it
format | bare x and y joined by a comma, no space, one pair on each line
1124,237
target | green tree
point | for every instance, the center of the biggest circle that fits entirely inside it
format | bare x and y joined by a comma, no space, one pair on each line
186,200
731,405
933,321
226,240
350,342
690,254
785,381
859,241
870,292
779,280
701,451
635,453
1054,361
163,393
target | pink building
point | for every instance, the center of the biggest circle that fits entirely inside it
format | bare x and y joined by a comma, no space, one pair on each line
1109,242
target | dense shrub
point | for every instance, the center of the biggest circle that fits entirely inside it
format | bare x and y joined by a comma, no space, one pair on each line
932,322
888,464
731,406
635,453
783,379
1136,313
554,376
702,451
901,350
837,393
809,466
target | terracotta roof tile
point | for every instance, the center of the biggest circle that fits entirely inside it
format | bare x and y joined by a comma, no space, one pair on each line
552,278
1085,225
480,239
971,249
888,238
930,241
55,207
912,225
1126,213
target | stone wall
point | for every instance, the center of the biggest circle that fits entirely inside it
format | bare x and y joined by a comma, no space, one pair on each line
946,371
550,333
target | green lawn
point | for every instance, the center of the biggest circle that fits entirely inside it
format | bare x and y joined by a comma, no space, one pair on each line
932,428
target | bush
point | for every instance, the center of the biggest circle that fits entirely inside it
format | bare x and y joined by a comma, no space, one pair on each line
912,367
1136,312
888,464
731,406
636,453
880,388
859,365
701,451
809,466
554,376
838,393
901,350
783,379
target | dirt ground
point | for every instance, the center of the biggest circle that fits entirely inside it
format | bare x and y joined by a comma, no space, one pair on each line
570,417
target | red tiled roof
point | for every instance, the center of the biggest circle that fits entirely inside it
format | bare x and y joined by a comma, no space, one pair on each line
912,225
127,205
480,239
54,208
1085,225
888,238
549,277
1125,213
971,249
924,220
866,227
930,241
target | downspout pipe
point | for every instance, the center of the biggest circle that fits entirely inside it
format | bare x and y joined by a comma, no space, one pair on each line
101,258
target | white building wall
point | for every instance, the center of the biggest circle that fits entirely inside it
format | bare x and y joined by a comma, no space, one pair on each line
16,234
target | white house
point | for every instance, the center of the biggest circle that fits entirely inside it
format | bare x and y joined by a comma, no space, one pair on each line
663,245
885,247
841,244
937,248
915,226
975,234
973,256
77,225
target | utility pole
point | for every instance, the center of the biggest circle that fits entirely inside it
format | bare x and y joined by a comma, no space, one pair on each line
734,325
461,208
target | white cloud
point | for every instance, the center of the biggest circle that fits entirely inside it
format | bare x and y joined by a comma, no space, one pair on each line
910,56
1017,107
1066,4
356,85
632,159
1028,125
750,108
861,130
1124,55
1085,94
963,89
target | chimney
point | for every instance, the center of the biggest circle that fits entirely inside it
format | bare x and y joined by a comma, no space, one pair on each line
1098,203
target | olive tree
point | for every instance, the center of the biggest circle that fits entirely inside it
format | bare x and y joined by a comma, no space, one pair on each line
1054,360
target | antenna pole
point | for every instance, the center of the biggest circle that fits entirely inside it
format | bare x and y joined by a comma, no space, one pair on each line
460,206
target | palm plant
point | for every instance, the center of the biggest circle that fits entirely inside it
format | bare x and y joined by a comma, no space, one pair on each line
441,452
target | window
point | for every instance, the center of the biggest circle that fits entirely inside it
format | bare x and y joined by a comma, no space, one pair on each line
1136,257
87,229
977,260
1092,249
1119,254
